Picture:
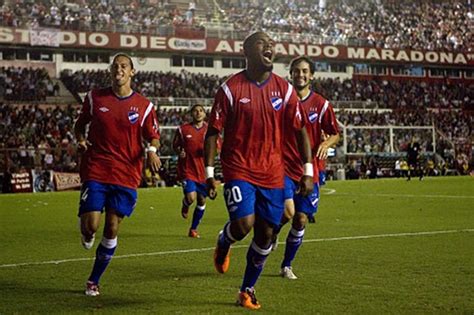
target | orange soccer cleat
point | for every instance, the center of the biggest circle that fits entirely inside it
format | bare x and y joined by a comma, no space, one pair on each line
193,233
248,300
221,259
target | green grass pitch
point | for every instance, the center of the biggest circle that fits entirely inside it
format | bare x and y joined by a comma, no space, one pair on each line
378,246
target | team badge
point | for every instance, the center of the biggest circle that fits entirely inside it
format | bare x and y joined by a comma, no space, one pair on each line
277,102
133,115
312,117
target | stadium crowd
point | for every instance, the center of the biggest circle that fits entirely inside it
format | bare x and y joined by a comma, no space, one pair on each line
397,94
33,136
425,25
393,94
134,16
40,136
149,83
26,84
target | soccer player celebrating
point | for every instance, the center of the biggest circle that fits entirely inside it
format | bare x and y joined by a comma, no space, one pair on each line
321,120
119,119
251,107
189,145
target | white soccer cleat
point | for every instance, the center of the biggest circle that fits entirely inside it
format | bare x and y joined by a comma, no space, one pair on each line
92,289
89,244
287,272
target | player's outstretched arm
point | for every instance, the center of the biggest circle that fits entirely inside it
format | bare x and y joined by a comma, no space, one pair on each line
306,181
154,161
210,150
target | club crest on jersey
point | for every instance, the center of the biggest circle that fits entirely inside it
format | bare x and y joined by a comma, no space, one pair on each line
133,115
312,117
277,102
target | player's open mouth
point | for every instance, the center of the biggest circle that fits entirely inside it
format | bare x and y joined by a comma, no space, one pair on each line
267,56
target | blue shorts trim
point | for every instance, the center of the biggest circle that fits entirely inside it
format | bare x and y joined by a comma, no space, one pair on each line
96,196
243,198
322,177
309,204
192,186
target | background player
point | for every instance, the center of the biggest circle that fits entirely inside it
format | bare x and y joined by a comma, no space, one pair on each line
320,118
188,143
119,120
251,107
413,152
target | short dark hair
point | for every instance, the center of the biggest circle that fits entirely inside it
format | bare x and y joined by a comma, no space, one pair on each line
250,38
196,105
300,59
120,54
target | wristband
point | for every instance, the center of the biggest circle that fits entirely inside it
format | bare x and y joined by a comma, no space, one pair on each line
308,169
209,172
151,149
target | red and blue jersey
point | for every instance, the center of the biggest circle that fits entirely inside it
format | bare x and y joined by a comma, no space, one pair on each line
117,128
319,116
191,139
252,116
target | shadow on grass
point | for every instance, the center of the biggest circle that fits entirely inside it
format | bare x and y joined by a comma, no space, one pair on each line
34,298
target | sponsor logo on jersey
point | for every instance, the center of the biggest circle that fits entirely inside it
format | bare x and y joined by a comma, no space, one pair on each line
104,109
277,102
312,117
244,100
133,115
189,136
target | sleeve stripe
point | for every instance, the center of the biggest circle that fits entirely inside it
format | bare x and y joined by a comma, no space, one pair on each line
288,94
91,104
228,93
147,112
325,108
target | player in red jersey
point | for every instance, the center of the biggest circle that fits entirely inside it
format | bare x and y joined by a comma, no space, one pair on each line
321,119
251,107
119,119
188,143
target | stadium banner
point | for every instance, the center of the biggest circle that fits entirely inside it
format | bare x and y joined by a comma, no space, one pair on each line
214,46
65,181
21,182
45,37
42,180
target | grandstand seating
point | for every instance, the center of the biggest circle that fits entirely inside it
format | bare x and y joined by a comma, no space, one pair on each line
392,108
426,25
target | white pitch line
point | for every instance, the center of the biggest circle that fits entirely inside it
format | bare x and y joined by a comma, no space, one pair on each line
405,195
184,251
329,191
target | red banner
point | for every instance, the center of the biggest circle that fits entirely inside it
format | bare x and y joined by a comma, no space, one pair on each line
214,46
21,182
